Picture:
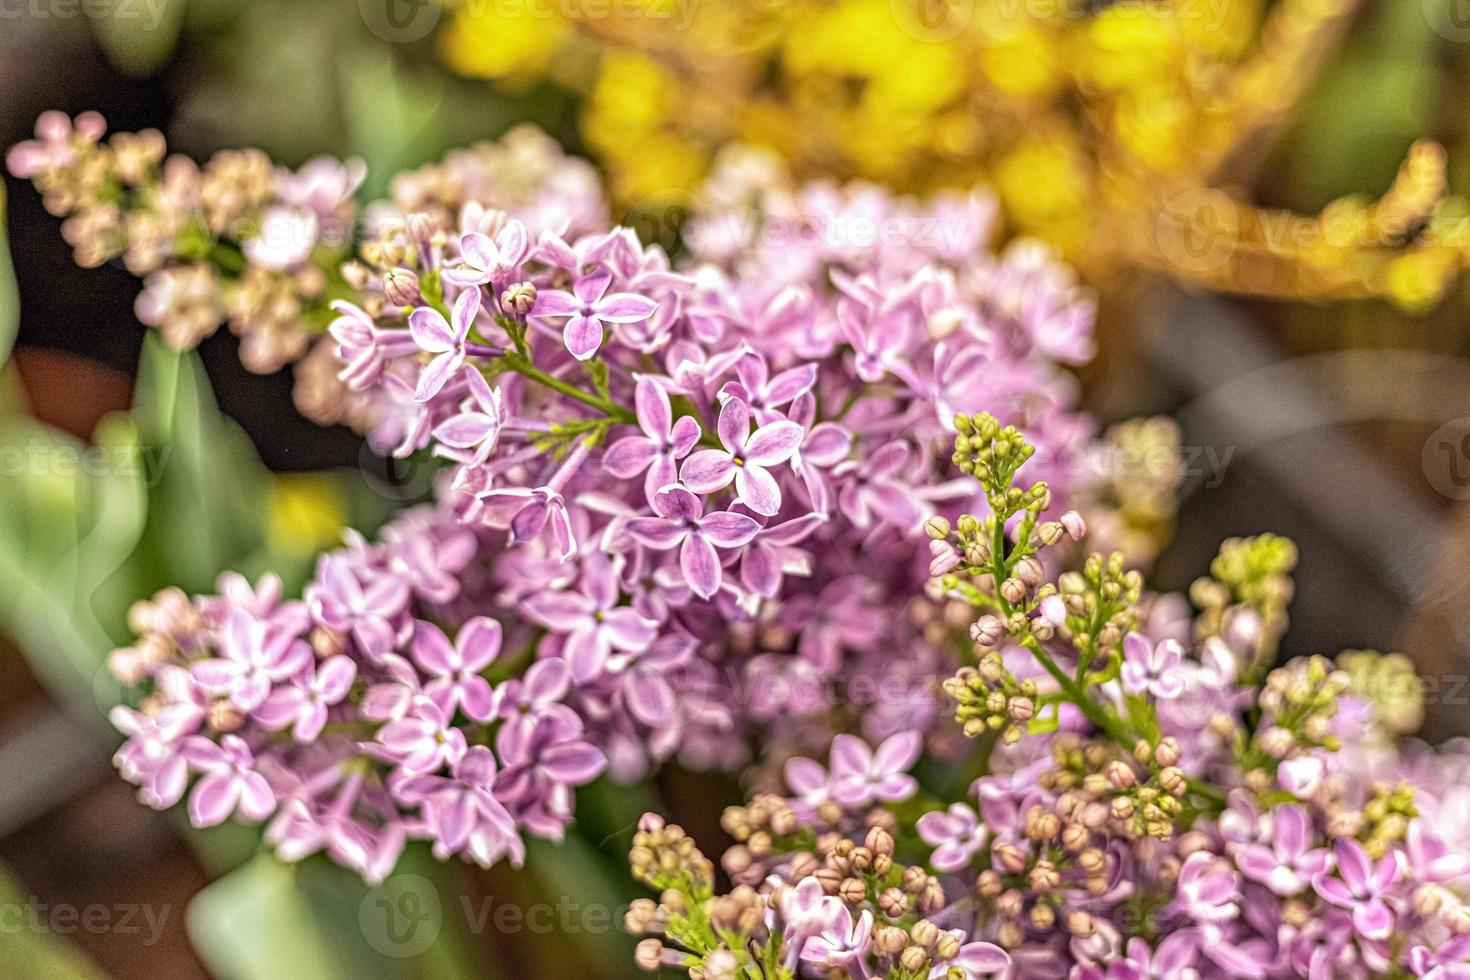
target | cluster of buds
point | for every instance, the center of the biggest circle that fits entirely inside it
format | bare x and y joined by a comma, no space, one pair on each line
988,698
664,857
1140,469
237,239
1141,792
1162,816
1297,705
840,899
1389,685
1251,573
1386,817
1101,602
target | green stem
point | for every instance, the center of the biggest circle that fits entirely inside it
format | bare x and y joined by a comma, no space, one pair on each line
612,410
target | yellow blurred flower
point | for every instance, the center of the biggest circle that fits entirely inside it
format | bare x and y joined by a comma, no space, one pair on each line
305,513
1092,121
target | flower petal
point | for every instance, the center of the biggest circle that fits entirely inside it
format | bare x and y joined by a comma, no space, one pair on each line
727,529
582,335
700,565
430,330
774,443
707,471
757,489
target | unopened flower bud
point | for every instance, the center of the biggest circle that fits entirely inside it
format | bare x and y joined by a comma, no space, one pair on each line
649,955
518,298
1173,780
1120,774
401,287
1458,919
1013,590
1428,900
879,841
1277,742
913,959
1053,611
852,890
987,631
1011,857
1011,903
925,933
225,717
944,558
418,227
894,902
888,940
721,965
1020,708
1045,877
1167,752
1074,525
1080,924
937,528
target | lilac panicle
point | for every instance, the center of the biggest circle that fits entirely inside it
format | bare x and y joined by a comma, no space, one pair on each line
1113,836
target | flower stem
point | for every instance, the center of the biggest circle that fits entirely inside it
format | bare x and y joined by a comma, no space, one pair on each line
525,368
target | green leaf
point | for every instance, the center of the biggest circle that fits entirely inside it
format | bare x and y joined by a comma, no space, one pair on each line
73,516
206,508
574,874
137,35
1044,724
9,295
268,920
597,371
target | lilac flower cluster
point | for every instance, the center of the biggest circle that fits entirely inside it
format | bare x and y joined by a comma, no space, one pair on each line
1154,801
680,504
719,465
262,247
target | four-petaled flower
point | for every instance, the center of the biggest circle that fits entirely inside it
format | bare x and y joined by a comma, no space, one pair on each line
489,261
254,655
1359,886
476,429
1156,670
338,601
455,669
446,339
229,782
744,458
303,703
592,620
423,740
455,806
956,835
1290,863
763,393
860,775
682,523
664,440
587,308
